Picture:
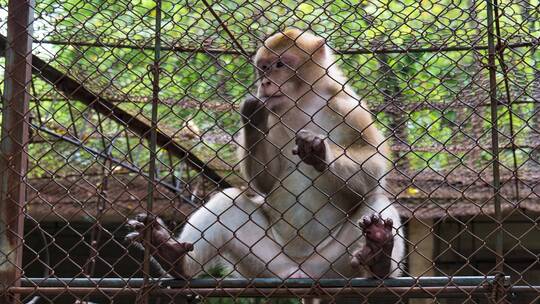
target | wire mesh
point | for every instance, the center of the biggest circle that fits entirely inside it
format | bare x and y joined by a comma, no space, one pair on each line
143,107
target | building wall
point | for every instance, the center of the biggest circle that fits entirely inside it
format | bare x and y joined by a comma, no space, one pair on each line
464,246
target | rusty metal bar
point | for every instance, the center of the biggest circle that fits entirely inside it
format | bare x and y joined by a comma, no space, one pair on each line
403,287
494,133
235,42
14,141
314,292
156,66
499,290
500,47
76,90
263,282
222,51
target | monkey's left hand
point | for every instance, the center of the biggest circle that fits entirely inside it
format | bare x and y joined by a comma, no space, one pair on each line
377,252
254,114
311,149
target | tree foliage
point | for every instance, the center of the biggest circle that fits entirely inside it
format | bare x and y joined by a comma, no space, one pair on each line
439,95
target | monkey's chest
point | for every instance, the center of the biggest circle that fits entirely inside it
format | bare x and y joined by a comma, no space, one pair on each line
303,205
301,215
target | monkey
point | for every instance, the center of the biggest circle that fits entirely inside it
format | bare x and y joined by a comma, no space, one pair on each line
315,167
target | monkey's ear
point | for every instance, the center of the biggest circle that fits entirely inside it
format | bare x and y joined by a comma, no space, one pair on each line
321,42
320,48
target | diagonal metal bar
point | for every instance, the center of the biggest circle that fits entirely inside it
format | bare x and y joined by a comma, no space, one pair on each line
500,47
226,29
117,162
77,90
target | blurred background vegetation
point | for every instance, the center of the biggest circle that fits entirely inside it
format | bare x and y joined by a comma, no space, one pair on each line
420,65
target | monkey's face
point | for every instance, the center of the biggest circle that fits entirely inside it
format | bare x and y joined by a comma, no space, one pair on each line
288,64
277,75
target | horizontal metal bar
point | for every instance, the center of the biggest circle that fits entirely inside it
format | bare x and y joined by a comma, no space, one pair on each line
525,289
403,288
355,51
313,292
263,282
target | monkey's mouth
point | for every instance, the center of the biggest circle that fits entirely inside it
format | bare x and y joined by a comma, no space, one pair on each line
272,95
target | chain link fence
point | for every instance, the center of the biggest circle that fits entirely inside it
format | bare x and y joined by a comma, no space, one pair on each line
112,110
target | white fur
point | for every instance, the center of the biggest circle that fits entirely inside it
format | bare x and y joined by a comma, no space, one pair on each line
309,220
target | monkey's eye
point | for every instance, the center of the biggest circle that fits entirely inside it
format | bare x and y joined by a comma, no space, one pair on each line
264,67
280,64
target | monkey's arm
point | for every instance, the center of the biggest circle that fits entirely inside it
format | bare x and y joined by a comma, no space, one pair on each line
256,153
163,246
360,156
361,167
355,159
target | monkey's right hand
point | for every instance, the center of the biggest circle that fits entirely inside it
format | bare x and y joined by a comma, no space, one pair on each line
254,114
141,223
311,149
163,245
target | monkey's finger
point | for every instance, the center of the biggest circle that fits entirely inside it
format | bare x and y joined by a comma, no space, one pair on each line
361,224
389,223
132,237
375,218
299,140
303,133
355,263
307,147
295,150
318,145
143,218
300,136
187,246
366,221
135,225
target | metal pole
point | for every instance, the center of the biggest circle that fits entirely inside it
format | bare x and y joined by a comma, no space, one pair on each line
216,51
14,141
499,296
494,133
145,293
275,283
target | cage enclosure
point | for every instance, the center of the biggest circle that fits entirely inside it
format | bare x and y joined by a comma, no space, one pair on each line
146,157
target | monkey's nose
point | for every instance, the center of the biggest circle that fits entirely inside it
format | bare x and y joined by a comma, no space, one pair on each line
266,82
